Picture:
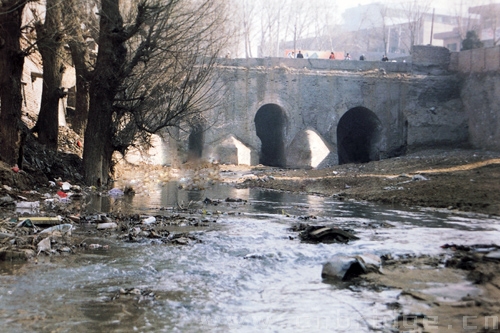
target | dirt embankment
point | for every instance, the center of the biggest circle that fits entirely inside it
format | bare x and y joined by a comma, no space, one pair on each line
464,180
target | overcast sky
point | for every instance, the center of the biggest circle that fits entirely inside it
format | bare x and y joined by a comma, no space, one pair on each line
443,6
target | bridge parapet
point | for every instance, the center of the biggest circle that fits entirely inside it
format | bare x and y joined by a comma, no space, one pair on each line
433,60
318,64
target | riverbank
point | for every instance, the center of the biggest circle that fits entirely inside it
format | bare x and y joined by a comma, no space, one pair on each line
462,180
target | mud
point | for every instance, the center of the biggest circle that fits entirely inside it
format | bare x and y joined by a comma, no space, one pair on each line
463,180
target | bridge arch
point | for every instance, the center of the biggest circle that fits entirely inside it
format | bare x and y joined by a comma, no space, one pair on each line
358,136
270,125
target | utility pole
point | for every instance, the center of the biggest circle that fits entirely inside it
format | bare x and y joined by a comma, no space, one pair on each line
432,25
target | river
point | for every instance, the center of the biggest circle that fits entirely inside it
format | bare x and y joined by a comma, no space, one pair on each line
249,272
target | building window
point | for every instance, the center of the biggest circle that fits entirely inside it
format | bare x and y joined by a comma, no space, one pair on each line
452,47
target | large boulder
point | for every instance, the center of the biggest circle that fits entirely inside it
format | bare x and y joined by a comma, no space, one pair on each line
344,268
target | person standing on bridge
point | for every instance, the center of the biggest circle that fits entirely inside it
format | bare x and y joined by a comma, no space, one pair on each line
300,55
332,56
347,56
362,57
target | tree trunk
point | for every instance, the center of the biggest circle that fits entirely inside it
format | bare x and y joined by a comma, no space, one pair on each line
107,79
11,69
79,120
51,47
81,59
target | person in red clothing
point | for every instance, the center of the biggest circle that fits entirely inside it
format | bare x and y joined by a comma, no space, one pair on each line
332,56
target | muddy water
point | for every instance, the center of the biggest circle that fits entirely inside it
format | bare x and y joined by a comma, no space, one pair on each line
249,272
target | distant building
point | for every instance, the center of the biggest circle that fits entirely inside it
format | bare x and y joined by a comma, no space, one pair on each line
451,39
377,24
489,23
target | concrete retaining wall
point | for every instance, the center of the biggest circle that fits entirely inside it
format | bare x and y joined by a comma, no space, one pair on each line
480,94
476,60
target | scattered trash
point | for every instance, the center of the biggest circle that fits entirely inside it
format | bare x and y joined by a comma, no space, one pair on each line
15,168
66,186
62,194
28,206
98,246
7,200
108,225
495,255
418,177
25,223
44,245
45,220
6,235
345,268
74,218
115,192
149,220
62,228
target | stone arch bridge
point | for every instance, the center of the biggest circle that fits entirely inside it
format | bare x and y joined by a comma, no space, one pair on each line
313,113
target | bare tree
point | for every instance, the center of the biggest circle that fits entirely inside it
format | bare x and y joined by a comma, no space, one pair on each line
414,11
243,20
11,68
298,19
82,28
150,73
50,41
464,21
490,22
322,17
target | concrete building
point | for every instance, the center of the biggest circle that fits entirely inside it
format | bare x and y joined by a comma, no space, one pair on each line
395,25
452,40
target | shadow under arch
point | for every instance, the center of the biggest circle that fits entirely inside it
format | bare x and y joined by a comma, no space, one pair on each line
270,121
358,136
196,140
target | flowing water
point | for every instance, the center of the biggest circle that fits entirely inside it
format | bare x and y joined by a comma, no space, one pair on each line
249,272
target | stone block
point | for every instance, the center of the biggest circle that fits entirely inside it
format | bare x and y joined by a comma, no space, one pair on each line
464,61
454,56
307,150
477,61
492,58
233,151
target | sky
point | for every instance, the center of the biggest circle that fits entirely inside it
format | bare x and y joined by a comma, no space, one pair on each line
442,6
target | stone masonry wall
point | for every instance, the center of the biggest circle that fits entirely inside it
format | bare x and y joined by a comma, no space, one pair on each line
416,108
